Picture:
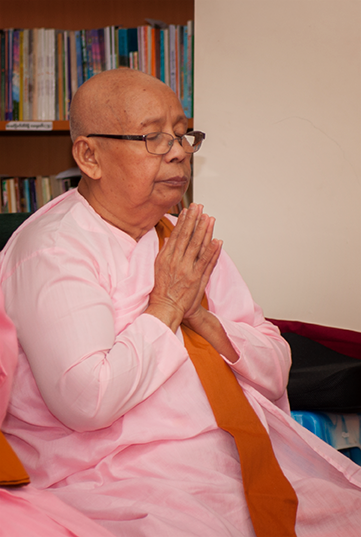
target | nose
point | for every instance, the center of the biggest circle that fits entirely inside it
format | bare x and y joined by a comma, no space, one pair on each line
177,152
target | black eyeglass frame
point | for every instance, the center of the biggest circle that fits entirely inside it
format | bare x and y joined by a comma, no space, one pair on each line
143,138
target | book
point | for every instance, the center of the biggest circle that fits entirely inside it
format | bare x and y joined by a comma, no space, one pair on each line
15,80
31,74
89,53
26,196
35,82
79,59
17,194
84,54
101,48
38,191
42,68
172,58
107,48
60,76
190,51
46,192
40,60
9,33
123,51
184,67
25,76
32,190
4,195
11,195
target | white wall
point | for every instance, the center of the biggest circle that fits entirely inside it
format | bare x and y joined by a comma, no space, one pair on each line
278,91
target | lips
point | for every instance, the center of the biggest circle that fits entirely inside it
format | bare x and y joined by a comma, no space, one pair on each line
176,181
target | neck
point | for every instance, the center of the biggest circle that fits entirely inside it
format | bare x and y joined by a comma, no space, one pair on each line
134,223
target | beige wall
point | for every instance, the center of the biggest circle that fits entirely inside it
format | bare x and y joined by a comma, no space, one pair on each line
278,91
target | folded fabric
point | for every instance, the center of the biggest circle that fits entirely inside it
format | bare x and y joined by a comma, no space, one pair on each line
12,472
321,378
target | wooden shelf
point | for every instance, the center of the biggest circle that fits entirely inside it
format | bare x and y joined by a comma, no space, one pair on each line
57,126
78,14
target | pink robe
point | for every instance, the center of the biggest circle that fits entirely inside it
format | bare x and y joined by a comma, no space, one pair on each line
107,410
25,511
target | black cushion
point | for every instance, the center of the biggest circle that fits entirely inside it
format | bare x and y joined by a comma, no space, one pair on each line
321,378
9,222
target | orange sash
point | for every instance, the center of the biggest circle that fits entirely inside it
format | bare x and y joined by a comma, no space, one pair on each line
271,500
12,472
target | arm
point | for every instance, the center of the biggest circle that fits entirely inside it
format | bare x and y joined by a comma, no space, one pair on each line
264,356
93,354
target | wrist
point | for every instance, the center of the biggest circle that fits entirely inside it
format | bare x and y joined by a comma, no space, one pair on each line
197,319
168,314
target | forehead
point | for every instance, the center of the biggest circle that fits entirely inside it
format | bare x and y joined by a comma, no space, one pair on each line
150,104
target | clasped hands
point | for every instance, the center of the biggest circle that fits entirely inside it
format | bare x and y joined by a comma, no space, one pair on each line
183,268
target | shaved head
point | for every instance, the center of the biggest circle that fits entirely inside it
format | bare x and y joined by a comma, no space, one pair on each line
101,103
125,184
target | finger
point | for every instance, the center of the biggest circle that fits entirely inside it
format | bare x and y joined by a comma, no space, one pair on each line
214,259
209,234
208,260
169,242
184,229
200,211
200,239
206,275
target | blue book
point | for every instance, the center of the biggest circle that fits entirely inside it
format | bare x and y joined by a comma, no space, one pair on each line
89,53
127,43
79,58
9,73
84,55
27,204
123,52
16,75
132,34
102,48
162,66
190,67
184,73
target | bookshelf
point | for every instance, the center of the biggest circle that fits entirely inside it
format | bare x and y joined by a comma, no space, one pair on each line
25,153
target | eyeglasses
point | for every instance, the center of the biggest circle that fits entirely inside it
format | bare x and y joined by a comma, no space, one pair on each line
160,143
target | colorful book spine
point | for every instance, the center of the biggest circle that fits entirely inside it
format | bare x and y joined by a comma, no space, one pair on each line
41,69
15,80
25,77
190,51
21,75
79,58
9,68
4,196
123,52
26,190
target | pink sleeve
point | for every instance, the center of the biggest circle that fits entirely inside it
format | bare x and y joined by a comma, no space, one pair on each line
88,373
8,357
264,356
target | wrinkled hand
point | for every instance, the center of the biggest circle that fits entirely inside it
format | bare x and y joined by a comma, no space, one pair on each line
183,268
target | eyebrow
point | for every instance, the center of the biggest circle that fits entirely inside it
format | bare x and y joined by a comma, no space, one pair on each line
152,120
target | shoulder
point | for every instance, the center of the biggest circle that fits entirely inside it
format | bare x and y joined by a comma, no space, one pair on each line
65,224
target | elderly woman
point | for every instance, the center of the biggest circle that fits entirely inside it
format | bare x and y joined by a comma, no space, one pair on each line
127,401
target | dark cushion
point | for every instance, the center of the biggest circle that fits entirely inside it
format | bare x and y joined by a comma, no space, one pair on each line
321,378
8,224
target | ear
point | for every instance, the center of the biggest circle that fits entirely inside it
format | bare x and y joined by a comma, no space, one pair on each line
85,153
